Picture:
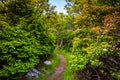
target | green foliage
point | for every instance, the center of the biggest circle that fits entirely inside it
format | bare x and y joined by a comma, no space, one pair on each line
85,51
95,44
30,28
20,50
23,38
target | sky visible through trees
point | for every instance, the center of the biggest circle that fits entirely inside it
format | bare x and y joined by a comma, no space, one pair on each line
59,5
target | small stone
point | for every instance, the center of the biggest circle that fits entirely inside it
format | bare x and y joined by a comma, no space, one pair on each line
105,50
47,62
32,72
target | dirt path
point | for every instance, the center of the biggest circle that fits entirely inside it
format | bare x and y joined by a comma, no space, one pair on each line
57,75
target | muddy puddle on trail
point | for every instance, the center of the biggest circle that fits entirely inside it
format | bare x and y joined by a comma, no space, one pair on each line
57,75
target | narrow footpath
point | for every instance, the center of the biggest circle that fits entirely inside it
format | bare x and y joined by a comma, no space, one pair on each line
57,75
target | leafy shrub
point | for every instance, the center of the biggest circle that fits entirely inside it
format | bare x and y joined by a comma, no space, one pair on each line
20,49
95,57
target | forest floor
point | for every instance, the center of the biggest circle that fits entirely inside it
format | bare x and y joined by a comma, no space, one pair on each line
57,75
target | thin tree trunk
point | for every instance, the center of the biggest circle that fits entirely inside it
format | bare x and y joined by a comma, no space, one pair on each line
61,43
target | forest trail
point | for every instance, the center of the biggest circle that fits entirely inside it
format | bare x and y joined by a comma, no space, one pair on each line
57,75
